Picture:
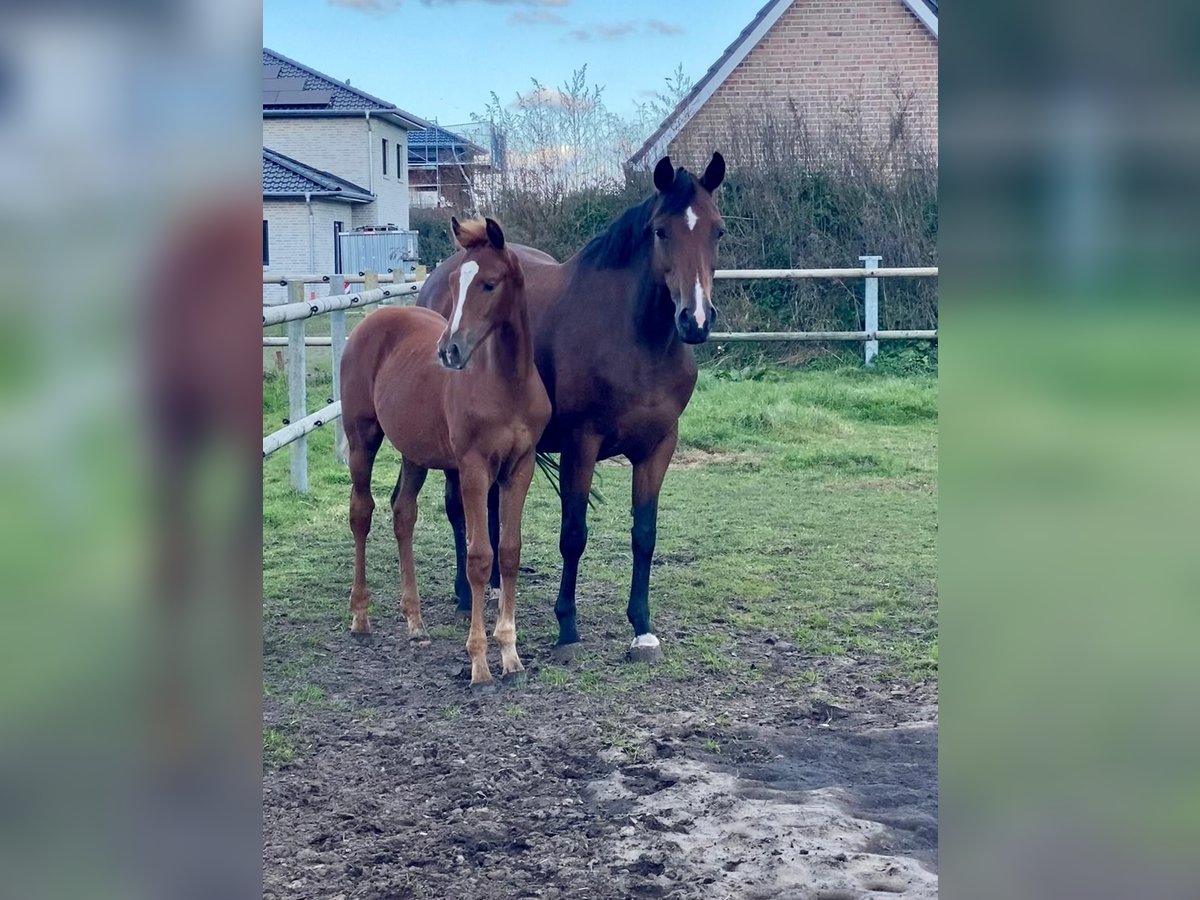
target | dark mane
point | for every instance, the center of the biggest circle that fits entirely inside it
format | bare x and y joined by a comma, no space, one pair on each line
617,245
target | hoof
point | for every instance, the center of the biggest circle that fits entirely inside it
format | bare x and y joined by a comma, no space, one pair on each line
420,639
484,687
464,614
514,679
360,626
362,637
565,653
644,654
645,648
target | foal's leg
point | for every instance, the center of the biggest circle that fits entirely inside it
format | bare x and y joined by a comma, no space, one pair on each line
475,480
647,482
458,524
404,520
512,504
578,463
363,437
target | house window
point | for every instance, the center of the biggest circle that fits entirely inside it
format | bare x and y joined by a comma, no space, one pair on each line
266,247
385,156
337,248
399,160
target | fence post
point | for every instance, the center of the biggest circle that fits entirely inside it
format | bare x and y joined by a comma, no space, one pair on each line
370,283
337,340
871,309
297,390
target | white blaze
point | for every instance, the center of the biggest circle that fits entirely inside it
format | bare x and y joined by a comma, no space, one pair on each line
465,275
699,303
692,219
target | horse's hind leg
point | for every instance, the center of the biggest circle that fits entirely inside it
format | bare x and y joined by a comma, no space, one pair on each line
458,524
494,533
363,437
404,520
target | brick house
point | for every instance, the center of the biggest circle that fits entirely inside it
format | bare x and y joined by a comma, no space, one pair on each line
335,158
828,61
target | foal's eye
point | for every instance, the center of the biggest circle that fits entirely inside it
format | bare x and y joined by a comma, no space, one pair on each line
488,286
660,233
720,233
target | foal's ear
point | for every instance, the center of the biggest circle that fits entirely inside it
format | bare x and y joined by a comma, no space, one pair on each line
714,174
456,228
494,234
664,174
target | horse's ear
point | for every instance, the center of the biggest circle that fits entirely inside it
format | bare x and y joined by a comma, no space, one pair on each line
664,174
714,174
456,228
494,234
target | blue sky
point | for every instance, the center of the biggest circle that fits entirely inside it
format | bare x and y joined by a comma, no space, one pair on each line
441,58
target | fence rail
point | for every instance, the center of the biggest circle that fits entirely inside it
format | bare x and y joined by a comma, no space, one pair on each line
296,311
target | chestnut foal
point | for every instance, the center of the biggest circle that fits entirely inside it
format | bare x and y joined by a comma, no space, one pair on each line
475,409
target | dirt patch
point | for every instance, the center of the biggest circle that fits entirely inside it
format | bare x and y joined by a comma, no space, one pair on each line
690,458
590,781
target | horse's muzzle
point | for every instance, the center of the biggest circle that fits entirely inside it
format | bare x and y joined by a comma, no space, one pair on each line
690,332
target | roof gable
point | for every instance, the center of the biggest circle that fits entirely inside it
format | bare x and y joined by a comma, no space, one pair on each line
287,177
290,86
747,40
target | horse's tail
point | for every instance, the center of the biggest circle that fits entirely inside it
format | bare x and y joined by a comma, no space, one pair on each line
550,467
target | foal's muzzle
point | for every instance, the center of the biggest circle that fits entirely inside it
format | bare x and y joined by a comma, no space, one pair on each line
690,332
453,353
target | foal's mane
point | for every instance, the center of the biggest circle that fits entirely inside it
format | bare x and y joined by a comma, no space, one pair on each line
617,245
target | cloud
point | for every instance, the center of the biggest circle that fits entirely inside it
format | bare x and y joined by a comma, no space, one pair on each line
602,31
377,7
367,6
498,2
611,31
551,97
661,27
536,17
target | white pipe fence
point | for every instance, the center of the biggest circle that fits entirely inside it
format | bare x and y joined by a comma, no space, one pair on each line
297,310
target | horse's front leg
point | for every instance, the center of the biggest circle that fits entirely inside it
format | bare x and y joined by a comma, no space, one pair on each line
648,477
578,463
474,480
512,504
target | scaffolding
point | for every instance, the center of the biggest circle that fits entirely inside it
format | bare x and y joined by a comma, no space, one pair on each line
454,166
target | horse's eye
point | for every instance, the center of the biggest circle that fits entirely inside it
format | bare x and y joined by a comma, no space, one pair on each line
660,233
488,286
720,233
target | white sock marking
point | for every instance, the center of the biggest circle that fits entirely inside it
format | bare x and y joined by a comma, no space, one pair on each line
465,275
692,219
699,303
644,640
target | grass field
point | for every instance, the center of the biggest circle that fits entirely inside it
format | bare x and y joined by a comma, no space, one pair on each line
802,505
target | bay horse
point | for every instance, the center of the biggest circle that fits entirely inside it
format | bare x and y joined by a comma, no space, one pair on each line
462,396
612,328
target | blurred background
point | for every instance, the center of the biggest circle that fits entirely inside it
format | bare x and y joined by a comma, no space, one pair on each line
129,526
1070,584
130,746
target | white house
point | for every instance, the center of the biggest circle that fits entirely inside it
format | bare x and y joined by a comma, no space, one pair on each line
335,158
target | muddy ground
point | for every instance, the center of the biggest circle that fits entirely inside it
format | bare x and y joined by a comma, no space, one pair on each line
403,782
